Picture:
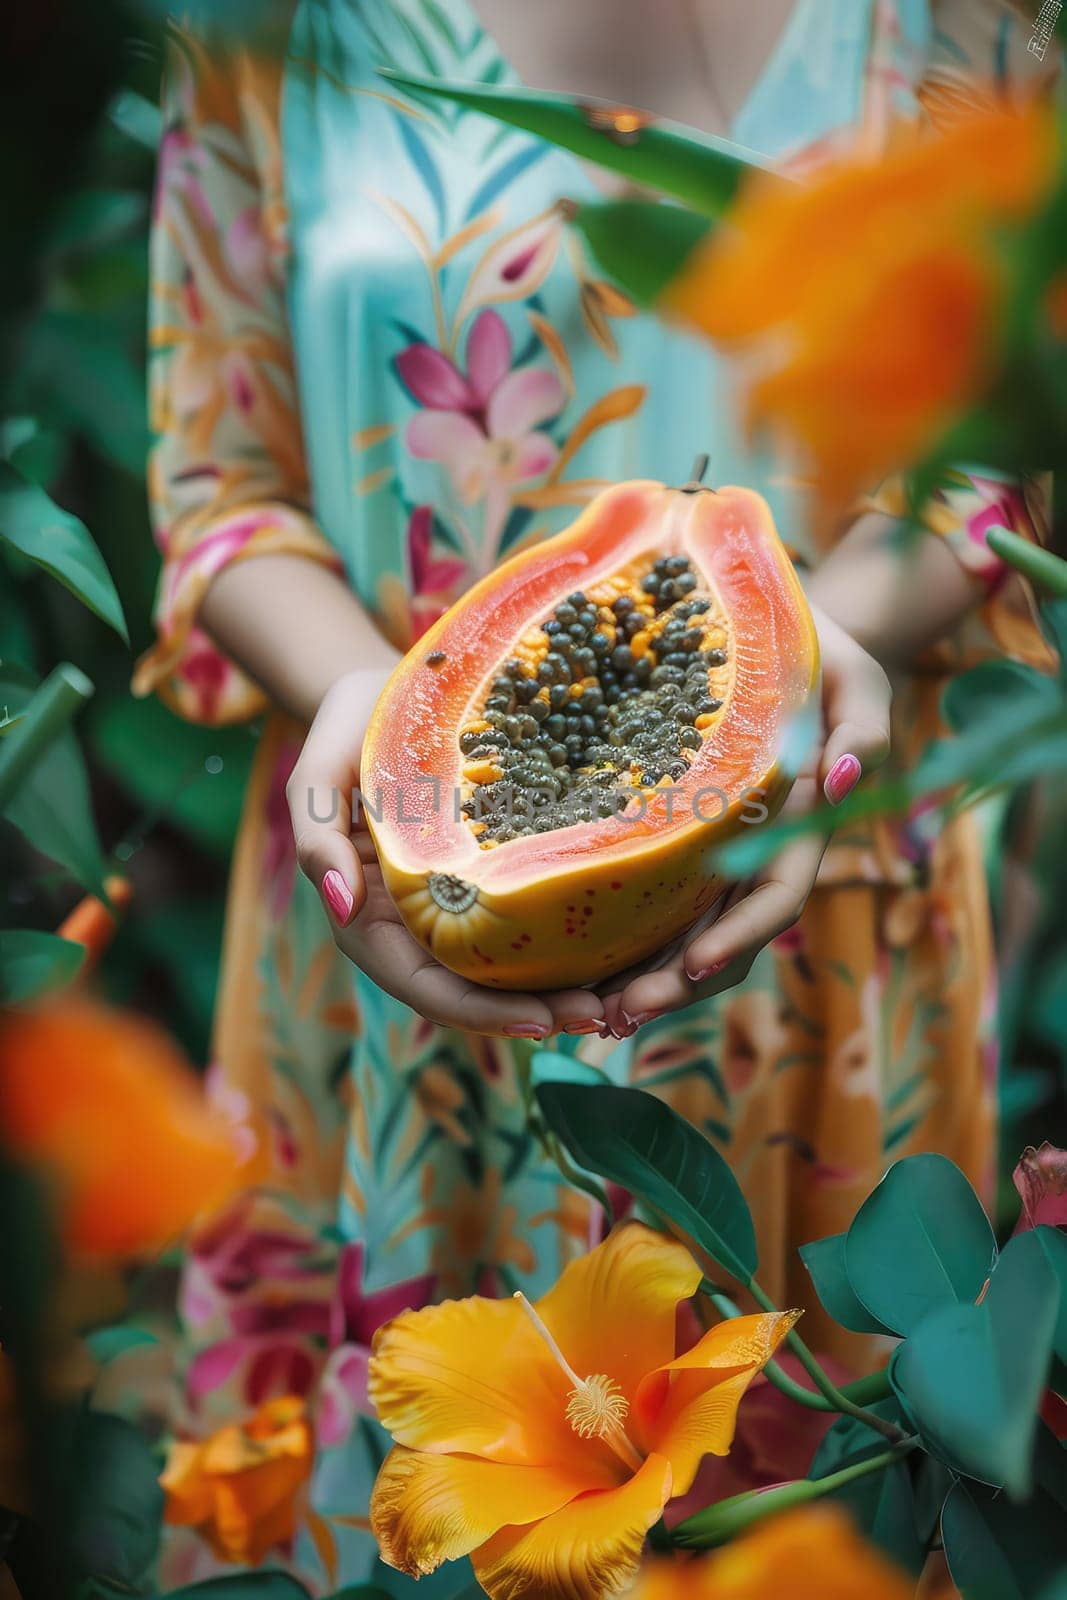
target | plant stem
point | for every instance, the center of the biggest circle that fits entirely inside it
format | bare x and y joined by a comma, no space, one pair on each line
1041,566
727,1518
830,1398
53,705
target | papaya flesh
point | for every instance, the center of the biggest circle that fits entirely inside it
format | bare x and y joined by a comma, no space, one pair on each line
550,770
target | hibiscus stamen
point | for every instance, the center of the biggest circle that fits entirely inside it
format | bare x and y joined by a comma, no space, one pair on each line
596,1406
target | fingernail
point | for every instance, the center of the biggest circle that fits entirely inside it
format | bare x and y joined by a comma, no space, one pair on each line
338,896
582,1027
526,1030
709,972
841,779
639,1018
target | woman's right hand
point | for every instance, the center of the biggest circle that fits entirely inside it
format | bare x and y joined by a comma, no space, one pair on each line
338,855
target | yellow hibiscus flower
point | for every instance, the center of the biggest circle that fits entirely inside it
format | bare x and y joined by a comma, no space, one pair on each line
545,1440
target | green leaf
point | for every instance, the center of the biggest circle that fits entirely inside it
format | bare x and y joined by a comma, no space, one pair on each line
119,1500
51,804
32,962
635,1140
1054,1245
55,540
138,118
107,1343
363,1591
992,687
883,1504
172,767
1000,1551
552,1066
972,1376
92,383
90,218
825,1261
697,168
259,1585
919,1241
668,234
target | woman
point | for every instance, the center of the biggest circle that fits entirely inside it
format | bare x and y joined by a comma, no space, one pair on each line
392,282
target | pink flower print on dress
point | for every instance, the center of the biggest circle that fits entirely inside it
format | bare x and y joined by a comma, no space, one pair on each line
482,426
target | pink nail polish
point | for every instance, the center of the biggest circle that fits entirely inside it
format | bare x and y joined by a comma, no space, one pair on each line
338,896
841,779
526,1030
582,1027
708,972
639,1018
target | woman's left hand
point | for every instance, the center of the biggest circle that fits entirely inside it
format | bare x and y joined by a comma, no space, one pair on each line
855,699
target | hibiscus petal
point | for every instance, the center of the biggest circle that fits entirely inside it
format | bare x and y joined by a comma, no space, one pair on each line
613,1310
588,1549
522,400
488,353
474,1376
427,1509
688,1409
433,380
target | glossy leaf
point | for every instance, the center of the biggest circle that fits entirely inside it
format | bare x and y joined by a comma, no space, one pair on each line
635,1140
51,805
825,1261
259,1585
697,168
997,1550
104,1344
921,1240
882,1504
119,1501
993,687
667,233
1054,1245
972,1376
32,962
53,539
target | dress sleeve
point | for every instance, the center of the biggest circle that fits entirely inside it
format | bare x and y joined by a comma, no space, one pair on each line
227,475
981,54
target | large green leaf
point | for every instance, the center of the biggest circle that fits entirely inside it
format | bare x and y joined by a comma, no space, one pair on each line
972,1376
995,687
55,540
882,1504
919,1241
664,236
1054,1245
119,1500
1000,1551
825,1261
637,1141
257,1585
32,962
51,803
702,171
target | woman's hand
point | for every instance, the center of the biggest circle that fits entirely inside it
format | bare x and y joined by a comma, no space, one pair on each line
717,954
338,855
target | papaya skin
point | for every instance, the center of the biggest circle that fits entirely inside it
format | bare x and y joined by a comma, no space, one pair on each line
573,906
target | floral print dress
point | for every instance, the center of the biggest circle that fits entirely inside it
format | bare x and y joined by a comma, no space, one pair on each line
377,345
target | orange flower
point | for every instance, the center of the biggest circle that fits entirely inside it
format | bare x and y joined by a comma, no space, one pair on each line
864,300
813,1553
106,1106
544,1441
241,1488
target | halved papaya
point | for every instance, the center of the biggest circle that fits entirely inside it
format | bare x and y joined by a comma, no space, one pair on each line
549,772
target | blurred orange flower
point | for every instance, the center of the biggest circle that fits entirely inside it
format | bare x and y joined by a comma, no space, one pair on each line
544,1441
813,1553
104,1104
864,300
241,1489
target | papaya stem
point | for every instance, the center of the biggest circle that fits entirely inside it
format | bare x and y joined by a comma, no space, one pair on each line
696,476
